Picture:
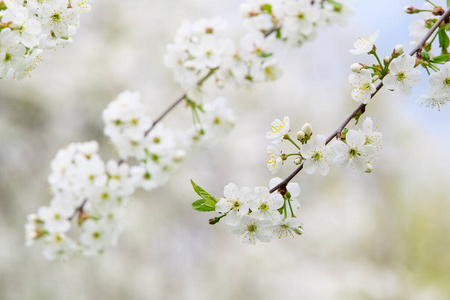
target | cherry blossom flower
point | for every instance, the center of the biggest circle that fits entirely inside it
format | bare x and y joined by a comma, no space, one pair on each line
252,230
278,130
265,205
403,75
354,151
364,45
316,155
440,82
235,203
363,88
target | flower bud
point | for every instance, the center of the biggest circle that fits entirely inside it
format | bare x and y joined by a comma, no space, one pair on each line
387,60
301,136
411,10
189,64
297,161
369,168
438,11
214,220
245,10
425,55
357,67
220,83
398,50
307,129
179,156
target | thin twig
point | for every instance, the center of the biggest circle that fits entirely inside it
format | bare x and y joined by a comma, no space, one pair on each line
361,107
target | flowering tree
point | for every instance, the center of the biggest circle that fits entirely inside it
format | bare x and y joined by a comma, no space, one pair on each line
91,194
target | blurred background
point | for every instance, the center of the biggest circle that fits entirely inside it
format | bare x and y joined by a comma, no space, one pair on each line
378,236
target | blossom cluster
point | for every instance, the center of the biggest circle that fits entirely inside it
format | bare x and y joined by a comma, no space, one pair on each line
440,80
81,183
258,215
201,49
356,148
91,194
255,215
29,27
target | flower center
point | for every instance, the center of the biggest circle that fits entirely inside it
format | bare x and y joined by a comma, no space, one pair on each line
447,81
56,18
317,156
264,207
252,228
366,86
401,76
353,152
8,57
236,205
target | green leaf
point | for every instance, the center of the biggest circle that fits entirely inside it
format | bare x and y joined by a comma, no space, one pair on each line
202,193
448,3
200,205
210,202
444,41
441,58
267,8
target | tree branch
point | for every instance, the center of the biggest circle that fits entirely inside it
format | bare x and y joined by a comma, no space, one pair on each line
361,107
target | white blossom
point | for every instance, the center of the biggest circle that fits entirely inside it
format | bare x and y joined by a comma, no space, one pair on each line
440,82
316,155
278,129
363,88
265,205
235,203
251,230
403,75
354,151
364,45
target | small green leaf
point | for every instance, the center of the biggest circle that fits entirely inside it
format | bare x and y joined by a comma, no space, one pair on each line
444,41
200,205
448,3
441,58
202,193
267,8
265,55
210,202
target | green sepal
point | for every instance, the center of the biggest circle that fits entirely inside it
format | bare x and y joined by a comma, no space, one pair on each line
444,41
278,34
267,8
357,116
441,58
265,55
201,206
344,134
425,55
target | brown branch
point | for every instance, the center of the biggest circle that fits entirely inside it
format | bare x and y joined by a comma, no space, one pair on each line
79,209
361,108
